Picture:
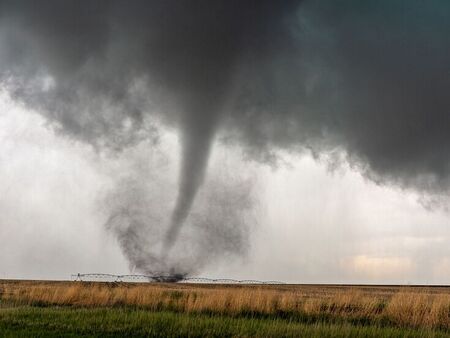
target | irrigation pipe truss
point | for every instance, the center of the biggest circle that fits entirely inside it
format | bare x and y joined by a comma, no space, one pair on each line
163,278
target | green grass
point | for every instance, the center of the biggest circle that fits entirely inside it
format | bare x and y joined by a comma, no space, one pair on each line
25,321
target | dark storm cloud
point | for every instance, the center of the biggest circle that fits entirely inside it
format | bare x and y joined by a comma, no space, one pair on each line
369,78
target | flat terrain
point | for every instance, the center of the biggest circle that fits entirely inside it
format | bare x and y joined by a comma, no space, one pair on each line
41,308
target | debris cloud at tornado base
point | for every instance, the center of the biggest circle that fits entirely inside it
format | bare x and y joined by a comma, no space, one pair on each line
369,79
140,202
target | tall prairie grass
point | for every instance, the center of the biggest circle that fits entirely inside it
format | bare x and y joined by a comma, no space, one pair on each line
403,307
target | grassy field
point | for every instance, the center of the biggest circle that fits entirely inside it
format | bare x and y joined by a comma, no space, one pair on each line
161,310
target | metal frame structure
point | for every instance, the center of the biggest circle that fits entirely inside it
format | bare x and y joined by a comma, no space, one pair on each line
100,277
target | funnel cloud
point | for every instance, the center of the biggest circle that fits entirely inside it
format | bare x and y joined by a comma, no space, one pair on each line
368,80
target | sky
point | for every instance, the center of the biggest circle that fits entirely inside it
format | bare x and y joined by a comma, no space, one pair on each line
301,140
311,224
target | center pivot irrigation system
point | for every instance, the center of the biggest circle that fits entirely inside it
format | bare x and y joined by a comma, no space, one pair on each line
160,278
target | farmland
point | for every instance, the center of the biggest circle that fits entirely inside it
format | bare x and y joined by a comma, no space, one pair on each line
116,309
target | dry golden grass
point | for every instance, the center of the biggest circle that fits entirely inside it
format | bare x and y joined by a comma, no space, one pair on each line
401,306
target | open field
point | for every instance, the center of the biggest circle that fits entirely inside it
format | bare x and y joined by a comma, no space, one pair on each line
80,308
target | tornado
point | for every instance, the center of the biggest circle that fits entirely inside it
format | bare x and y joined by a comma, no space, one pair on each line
197,136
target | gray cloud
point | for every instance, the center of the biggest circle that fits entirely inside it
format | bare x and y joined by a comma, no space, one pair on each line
367,78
